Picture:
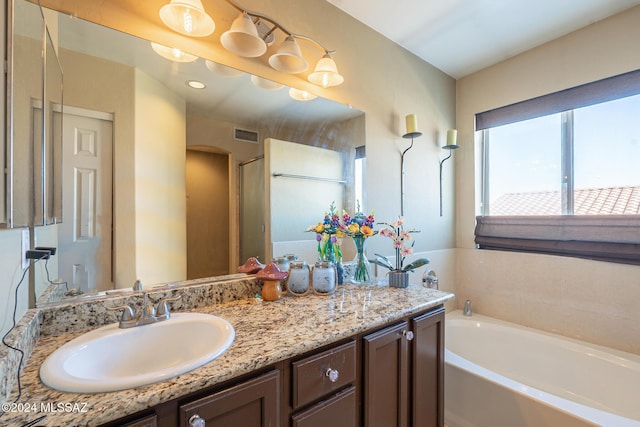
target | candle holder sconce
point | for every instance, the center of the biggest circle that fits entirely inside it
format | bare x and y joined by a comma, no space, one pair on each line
452,135
411,133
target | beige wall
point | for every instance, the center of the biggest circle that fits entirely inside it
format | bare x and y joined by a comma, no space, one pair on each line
586,299
160,207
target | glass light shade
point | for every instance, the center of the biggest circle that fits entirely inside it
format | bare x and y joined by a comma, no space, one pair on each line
222,70
195,84
265,84
243,39
187,17
326,73
288,58
301,95
172,53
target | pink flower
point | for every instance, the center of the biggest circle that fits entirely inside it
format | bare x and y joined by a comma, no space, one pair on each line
385,232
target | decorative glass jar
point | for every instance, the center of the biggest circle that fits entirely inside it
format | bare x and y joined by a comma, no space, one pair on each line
282,262
299,281
324,278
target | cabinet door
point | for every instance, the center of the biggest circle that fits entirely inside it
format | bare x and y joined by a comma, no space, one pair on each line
148,421
254,403
427,388
386,387
339,411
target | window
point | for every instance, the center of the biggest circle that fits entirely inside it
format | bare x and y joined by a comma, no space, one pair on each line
359,172
561,173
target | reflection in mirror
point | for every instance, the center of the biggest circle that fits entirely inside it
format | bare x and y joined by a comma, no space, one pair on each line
25,119
53,135
139,119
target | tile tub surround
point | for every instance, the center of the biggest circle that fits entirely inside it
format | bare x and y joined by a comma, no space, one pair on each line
266,333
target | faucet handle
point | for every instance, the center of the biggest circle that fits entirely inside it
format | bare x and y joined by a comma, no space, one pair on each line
163,307
137,286
127,314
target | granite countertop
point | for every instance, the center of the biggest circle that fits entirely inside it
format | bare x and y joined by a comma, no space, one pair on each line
266,333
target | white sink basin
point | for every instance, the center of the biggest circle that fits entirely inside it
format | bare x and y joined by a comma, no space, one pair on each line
110,358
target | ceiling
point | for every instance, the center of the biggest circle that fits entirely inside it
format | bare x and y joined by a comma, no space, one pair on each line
463,36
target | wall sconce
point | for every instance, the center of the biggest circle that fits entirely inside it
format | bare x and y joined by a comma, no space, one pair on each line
452,136
249,35
412,132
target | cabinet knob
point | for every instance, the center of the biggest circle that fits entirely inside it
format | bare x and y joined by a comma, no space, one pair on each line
408,335
196,421
332,374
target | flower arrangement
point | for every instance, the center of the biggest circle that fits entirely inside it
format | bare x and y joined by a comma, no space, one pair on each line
327,233
358,225
401,238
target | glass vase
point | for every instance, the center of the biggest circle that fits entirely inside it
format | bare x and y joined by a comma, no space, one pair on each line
327,249
361,267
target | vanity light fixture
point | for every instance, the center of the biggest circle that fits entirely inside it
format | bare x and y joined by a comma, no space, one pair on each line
326,73
195,84
452,136
265,84
252,32
243,39
222,70
412,132
172,53
187,17
288,58
301,95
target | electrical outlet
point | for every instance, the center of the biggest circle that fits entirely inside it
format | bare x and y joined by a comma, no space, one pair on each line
25,247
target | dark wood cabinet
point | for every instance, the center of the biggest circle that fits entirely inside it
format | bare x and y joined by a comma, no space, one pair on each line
324,388
338,411
254,403
386,377
148,421
427,367
403,373
392,377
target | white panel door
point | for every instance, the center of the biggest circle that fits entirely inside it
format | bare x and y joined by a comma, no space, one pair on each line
85,236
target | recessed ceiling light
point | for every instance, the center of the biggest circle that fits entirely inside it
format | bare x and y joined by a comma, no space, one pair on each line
195,84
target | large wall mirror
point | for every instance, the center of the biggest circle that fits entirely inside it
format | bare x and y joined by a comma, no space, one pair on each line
33,131
152,165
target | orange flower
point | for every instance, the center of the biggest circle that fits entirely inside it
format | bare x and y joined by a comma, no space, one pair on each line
366,231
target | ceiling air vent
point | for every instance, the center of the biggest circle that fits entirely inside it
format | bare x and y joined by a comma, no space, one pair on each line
245,135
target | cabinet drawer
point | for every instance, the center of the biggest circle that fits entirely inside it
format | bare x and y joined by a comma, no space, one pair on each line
253,403
317,376
339,411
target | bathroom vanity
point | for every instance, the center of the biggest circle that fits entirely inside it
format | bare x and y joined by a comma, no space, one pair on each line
363,356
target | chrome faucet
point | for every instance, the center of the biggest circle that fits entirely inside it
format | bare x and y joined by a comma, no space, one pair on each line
467,308
430,279
149,313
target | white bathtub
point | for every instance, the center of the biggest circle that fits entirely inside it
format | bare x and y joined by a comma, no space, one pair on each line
502,374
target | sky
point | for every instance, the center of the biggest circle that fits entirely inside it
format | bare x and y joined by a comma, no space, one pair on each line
526,156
